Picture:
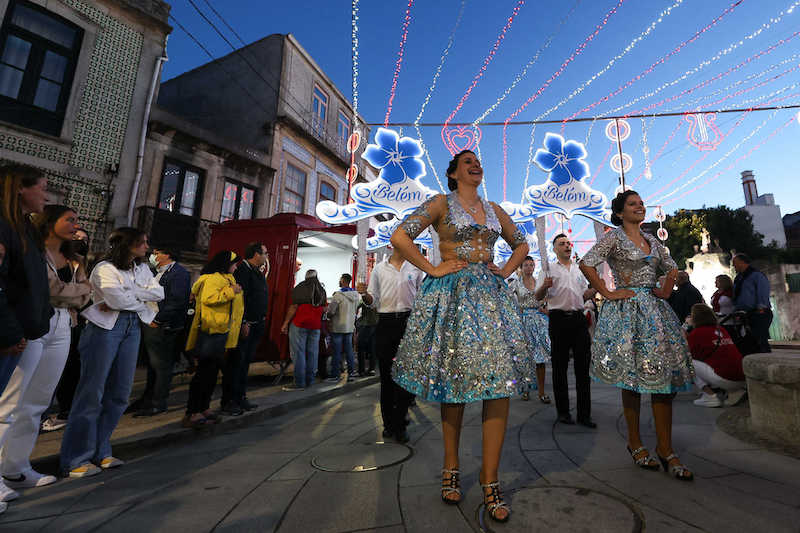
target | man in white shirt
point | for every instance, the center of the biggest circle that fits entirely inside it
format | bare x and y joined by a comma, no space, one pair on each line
392,289
565,289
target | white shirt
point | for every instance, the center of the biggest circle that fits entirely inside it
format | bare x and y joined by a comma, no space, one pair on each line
392,290
569,284
160,271
726,306
122,290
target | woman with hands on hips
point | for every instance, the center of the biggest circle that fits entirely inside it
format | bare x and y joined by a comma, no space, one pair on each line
638,343
465,340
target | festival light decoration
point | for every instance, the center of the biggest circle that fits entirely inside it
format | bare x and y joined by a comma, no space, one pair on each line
532,61
578,51
383,235
530,161
703,132
399,62
621,164
716,57
660,61
354,54
660,217
450,41
648,174
458,138
618,130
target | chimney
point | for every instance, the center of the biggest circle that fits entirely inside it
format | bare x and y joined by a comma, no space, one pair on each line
749,186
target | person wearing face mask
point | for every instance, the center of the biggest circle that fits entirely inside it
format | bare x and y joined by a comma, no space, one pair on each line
31,385
161,335
24,292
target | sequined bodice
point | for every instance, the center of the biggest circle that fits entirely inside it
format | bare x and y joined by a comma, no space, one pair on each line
525,297
460,236
630,265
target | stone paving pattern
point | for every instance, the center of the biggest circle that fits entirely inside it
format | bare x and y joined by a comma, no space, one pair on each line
557,477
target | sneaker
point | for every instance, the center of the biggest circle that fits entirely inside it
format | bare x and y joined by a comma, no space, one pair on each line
708,400
293,387
734,397
351,377
111,462
332,380
28,479
53,424
371,373
247,405
3,507
148,412
85,470
7,494
231,409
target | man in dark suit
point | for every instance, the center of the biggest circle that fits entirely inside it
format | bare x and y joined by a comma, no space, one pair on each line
161,336
252,276
684,296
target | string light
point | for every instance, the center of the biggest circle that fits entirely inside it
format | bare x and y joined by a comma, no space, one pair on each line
531,151
736,162
646,149
631,45
399,63
354,55
486,61
578,51
661,60
707,62
521,75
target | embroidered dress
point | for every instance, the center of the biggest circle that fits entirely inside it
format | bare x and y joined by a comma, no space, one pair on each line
534,321
464,340
638,342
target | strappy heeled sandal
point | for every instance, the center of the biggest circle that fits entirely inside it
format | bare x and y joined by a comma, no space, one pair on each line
526,396
450,485
678,471
494,501
646,461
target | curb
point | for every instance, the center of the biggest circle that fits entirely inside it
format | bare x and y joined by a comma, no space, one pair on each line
132,448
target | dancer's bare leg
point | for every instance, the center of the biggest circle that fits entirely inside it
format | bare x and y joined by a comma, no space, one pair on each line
631,409
541,370
662,414
452,417
495,420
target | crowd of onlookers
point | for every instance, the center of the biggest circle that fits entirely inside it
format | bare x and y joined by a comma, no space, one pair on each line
73,327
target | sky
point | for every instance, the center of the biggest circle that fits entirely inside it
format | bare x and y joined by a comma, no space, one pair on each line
585,58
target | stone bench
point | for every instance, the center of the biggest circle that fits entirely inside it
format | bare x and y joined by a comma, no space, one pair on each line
773,385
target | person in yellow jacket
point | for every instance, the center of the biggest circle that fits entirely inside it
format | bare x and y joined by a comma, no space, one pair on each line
215,328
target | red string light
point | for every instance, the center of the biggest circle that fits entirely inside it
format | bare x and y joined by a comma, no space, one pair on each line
602,163
661,61
399,63
546,84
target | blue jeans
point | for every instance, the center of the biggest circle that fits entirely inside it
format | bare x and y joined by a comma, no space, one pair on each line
7,365
304,347
108,364
342,340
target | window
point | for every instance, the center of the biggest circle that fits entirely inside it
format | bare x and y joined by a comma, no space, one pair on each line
37,63
326,191
343,128
180,187
319,106
294,193
237,201
793,282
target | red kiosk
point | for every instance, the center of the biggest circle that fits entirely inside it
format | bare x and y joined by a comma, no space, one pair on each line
288,237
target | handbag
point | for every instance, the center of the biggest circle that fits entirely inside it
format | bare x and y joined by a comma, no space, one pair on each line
210,345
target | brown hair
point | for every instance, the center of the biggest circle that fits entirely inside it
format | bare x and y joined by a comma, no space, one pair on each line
452,183
45,221
15,177
121,241
725,281
703,315
618,204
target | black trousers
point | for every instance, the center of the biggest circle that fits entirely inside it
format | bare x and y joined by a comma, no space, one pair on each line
202,386
394,398
570,332
160,344
366,348
237,365
759,324
71,374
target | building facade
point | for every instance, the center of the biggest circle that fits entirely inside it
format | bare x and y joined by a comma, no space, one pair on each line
75,79
766,214
275,101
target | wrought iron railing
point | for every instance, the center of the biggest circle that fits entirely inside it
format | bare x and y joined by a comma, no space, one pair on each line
165,228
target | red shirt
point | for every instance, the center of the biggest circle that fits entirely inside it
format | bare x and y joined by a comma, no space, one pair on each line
308,316
713,346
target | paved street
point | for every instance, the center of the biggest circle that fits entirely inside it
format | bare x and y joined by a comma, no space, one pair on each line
277,476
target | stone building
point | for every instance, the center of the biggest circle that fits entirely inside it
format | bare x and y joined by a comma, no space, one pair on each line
75,80
263,122
766,214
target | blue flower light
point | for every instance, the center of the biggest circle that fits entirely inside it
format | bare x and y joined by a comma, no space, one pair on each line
398,158
563,160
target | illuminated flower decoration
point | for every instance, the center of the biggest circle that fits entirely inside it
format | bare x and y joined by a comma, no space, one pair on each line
563,160
398,158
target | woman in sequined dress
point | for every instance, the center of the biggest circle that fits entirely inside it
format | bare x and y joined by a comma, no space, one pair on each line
535,321
464,340
638,343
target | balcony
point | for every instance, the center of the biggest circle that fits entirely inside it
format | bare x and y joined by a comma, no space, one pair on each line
165,228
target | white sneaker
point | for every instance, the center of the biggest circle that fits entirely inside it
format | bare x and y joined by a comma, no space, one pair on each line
29,478
3,507
708,400
7,494
734,397
53,424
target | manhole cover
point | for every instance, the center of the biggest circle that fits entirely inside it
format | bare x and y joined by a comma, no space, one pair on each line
564,509
361,457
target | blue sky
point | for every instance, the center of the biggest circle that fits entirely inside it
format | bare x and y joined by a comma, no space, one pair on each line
323,28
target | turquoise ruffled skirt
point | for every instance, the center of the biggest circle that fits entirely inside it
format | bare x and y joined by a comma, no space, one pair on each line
639,345
465,340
